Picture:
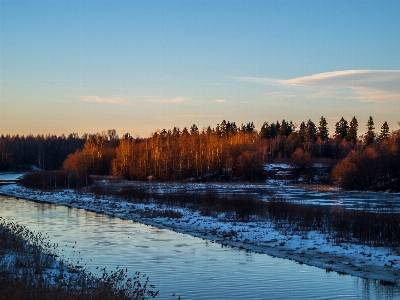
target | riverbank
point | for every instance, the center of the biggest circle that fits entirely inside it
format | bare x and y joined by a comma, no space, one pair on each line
31,267
262,236
29,261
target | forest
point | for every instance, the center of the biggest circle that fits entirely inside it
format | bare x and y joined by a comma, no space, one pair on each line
226,152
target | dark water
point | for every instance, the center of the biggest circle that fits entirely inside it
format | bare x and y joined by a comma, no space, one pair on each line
176,263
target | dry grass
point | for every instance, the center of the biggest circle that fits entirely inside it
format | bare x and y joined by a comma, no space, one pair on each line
374,228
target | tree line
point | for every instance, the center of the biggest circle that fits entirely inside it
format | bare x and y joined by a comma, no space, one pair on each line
226,151
176,154
44,152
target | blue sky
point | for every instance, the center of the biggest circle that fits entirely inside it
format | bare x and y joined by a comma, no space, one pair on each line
139,66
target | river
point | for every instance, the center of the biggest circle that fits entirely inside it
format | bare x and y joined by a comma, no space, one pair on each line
190,267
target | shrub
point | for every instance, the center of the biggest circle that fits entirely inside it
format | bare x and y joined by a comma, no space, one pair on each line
48,180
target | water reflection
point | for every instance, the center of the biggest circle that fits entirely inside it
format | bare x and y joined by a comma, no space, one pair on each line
176,263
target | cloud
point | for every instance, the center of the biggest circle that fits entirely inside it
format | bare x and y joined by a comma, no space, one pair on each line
349,78
168,100
220,100
362,85
259,80
274,95
111,100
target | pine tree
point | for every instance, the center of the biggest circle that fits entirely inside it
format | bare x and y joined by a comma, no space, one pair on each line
194,129
223,128
352,133
283,128
218,131
274,129
384,131
264,131
290,128
341,129
323,132
369,137
249,127
311,132
234,128
277,128
302,132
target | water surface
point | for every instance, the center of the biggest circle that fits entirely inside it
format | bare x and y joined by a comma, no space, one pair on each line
187,266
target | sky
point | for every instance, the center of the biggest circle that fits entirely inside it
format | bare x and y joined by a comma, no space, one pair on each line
141,66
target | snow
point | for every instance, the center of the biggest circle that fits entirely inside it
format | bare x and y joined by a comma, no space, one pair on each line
10,176
312,248
270,167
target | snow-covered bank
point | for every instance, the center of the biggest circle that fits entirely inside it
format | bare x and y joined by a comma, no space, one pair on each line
312,248
28,261
10,176
31,267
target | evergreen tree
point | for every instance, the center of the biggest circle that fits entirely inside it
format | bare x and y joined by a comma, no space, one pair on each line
233,128
289,128
283,128
264,131
369,137
302,132
323,132
311,132
249,127
341,129
218,131
384,131
194,129
352,133
274,129
223,128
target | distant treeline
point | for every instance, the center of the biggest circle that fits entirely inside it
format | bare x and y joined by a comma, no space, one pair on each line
45,152
227,152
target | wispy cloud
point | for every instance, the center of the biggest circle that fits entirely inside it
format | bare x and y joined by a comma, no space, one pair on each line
349,78
362,85
168,100
111,100
259,80
274,95
220,100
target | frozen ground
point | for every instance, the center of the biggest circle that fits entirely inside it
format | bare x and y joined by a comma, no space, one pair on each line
312,248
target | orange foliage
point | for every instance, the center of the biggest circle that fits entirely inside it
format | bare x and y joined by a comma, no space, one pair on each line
372,167
171,155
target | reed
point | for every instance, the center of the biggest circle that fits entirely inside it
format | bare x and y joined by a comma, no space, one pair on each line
31,268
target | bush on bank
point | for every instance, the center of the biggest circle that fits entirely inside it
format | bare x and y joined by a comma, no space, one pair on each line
49,180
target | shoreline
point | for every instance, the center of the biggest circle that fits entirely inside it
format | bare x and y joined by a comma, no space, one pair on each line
259,236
